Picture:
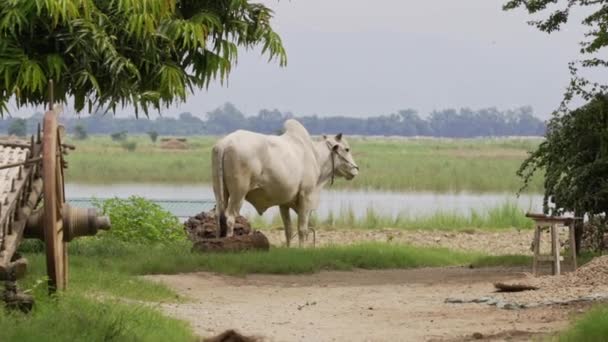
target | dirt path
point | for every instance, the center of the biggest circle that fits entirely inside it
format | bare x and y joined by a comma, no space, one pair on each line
393,305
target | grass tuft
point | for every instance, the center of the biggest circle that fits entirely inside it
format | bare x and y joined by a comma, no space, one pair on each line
592,327
76,318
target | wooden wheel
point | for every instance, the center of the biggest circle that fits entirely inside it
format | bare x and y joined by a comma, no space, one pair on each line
53,194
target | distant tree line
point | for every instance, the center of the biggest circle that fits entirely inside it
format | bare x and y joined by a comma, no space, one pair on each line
463,123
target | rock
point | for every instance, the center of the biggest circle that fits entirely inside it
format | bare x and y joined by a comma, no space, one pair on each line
511,306
477,336
236,243
453,301
482,300
204,226
231,336
492,301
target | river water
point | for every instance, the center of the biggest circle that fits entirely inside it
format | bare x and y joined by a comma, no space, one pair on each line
413,204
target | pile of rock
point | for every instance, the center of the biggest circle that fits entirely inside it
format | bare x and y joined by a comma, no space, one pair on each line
202,228
588,283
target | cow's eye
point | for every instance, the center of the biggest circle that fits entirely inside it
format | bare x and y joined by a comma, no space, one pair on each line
347,149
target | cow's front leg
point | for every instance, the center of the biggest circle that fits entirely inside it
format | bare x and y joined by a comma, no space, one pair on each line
286,223
303,217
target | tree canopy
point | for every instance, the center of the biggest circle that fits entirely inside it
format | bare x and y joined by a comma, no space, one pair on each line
558,13
574,157
462,123
109,53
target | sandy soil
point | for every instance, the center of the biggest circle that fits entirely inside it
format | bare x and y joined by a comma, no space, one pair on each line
393,305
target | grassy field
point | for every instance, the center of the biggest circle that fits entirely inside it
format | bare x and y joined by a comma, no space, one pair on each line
442,165
99,265
505,216
593,327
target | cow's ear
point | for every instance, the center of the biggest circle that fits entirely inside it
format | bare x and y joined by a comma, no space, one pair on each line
335,148
339,136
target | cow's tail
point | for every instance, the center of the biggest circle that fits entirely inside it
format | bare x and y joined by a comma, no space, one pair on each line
217,173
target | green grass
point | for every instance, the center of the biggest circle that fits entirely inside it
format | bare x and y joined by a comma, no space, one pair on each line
99,266
443,165
502,260
72,317
593,327
505,216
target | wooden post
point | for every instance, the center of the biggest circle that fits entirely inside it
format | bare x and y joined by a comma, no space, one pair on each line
573,250
555,249
536,250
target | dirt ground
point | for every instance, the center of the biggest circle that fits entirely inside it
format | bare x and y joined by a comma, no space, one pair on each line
388,305
510,241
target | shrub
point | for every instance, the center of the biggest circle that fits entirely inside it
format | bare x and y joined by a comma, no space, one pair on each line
119,136
129,145
18,127
80,133
153,136
137,220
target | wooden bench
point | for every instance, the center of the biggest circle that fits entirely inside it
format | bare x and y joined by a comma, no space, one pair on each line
553,223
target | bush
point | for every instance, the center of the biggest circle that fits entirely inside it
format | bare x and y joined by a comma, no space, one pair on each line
18,127
153,136
80,133
119,136
129,145
137,220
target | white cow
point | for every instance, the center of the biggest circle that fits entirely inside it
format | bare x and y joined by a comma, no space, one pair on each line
287,170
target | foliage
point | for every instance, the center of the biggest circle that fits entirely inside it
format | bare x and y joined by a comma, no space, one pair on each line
596,38
137,220
18,128
146,54
119,136
80,133
574,157
153,135
129,145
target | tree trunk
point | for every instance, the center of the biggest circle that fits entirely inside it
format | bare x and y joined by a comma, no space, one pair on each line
255,241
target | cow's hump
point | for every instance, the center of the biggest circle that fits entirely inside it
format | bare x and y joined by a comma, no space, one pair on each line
296,129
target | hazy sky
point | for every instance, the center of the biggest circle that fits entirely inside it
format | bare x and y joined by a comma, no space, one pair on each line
361,58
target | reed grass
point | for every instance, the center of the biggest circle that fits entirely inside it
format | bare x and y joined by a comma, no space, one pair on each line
506,216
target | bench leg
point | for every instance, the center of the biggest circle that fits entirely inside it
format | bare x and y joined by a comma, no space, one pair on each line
571,227
555,249
536,250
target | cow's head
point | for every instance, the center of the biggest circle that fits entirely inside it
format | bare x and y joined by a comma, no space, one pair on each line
344,163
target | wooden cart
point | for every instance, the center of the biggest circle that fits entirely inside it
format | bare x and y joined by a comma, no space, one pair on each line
32,205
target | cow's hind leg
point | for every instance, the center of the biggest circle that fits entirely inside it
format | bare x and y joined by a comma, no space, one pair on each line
286,223
303,218
235,202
